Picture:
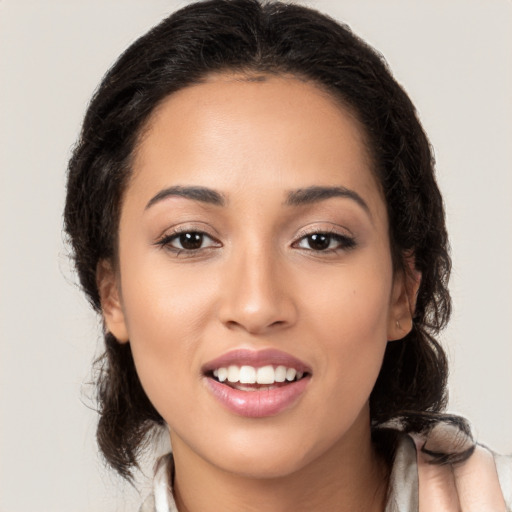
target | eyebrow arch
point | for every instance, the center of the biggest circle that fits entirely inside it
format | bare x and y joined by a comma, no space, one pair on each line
203,194
315,194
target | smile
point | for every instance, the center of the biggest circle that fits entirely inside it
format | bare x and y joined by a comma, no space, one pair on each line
250,375
257,384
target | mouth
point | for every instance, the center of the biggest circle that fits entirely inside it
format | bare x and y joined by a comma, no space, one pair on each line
257,383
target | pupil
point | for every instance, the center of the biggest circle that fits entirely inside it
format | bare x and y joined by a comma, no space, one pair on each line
191,241
319,241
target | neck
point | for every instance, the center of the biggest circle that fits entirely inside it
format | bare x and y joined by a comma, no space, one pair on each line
349,477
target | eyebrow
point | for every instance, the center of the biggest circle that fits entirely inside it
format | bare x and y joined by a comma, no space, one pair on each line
315,194
299,197
202,194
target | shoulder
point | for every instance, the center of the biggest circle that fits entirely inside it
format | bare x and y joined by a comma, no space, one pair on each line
504,470
483,481
480,480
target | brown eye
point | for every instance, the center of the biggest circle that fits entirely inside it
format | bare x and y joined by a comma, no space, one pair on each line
187,241
319,241
190,241
326,242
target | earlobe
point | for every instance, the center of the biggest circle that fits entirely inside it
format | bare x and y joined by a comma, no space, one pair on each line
111,307
405,289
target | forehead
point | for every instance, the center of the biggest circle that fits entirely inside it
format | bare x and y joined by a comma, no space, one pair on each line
234,133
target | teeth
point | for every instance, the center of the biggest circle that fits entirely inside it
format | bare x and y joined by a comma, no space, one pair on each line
280,374
264,375
290,374
222,374
233,373
247,375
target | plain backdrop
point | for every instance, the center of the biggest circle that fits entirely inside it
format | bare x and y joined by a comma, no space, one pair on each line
454,57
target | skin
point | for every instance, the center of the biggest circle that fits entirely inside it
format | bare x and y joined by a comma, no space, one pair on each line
257,283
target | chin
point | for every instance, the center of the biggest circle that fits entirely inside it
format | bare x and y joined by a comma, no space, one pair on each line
269,453
264,465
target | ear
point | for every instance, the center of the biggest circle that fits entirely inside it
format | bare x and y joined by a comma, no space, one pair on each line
406,283
111,307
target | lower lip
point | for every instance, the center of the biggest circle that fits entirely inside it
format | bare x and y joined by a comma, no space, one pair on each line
258,404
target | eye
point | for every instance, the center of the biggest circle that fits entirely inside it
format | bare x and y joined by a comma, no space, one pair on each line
325,242
187,241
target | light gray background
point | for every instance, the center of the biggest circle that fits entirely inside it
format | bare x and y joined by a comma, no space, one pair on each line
454,58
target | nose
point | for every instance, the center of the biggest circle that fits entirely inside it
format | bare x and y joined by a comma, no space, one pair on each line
258,294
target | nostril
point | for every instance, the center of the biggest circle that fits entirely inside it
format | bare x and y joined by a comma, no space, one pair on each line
253,326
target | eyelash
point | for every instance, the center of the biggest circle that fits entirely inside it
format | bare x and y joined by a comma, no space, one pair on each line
166,241
344,242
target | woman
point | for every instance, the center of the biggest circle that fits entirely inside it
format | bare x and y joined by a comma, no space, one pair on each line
253,210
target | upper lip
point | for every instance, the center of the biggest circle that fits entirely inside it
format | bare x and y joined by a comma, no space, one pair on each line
257,359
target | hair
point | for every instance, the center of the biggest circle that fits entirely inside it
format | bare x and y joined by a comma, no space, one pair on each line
250,36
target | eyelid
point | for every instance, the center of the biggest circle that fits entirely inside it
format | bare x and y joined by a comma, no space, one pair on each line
188,227
323,227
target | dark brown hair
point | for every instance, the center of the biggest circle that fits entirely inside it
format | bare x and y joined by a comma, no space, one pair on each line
250,36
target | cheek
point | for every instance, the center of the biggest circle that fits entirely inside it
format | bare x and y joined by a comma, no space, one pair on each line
353,300
349,317
166,313
161,299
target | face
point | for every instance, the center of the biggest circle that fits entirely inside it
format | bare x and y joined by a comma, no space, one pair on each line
255,282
